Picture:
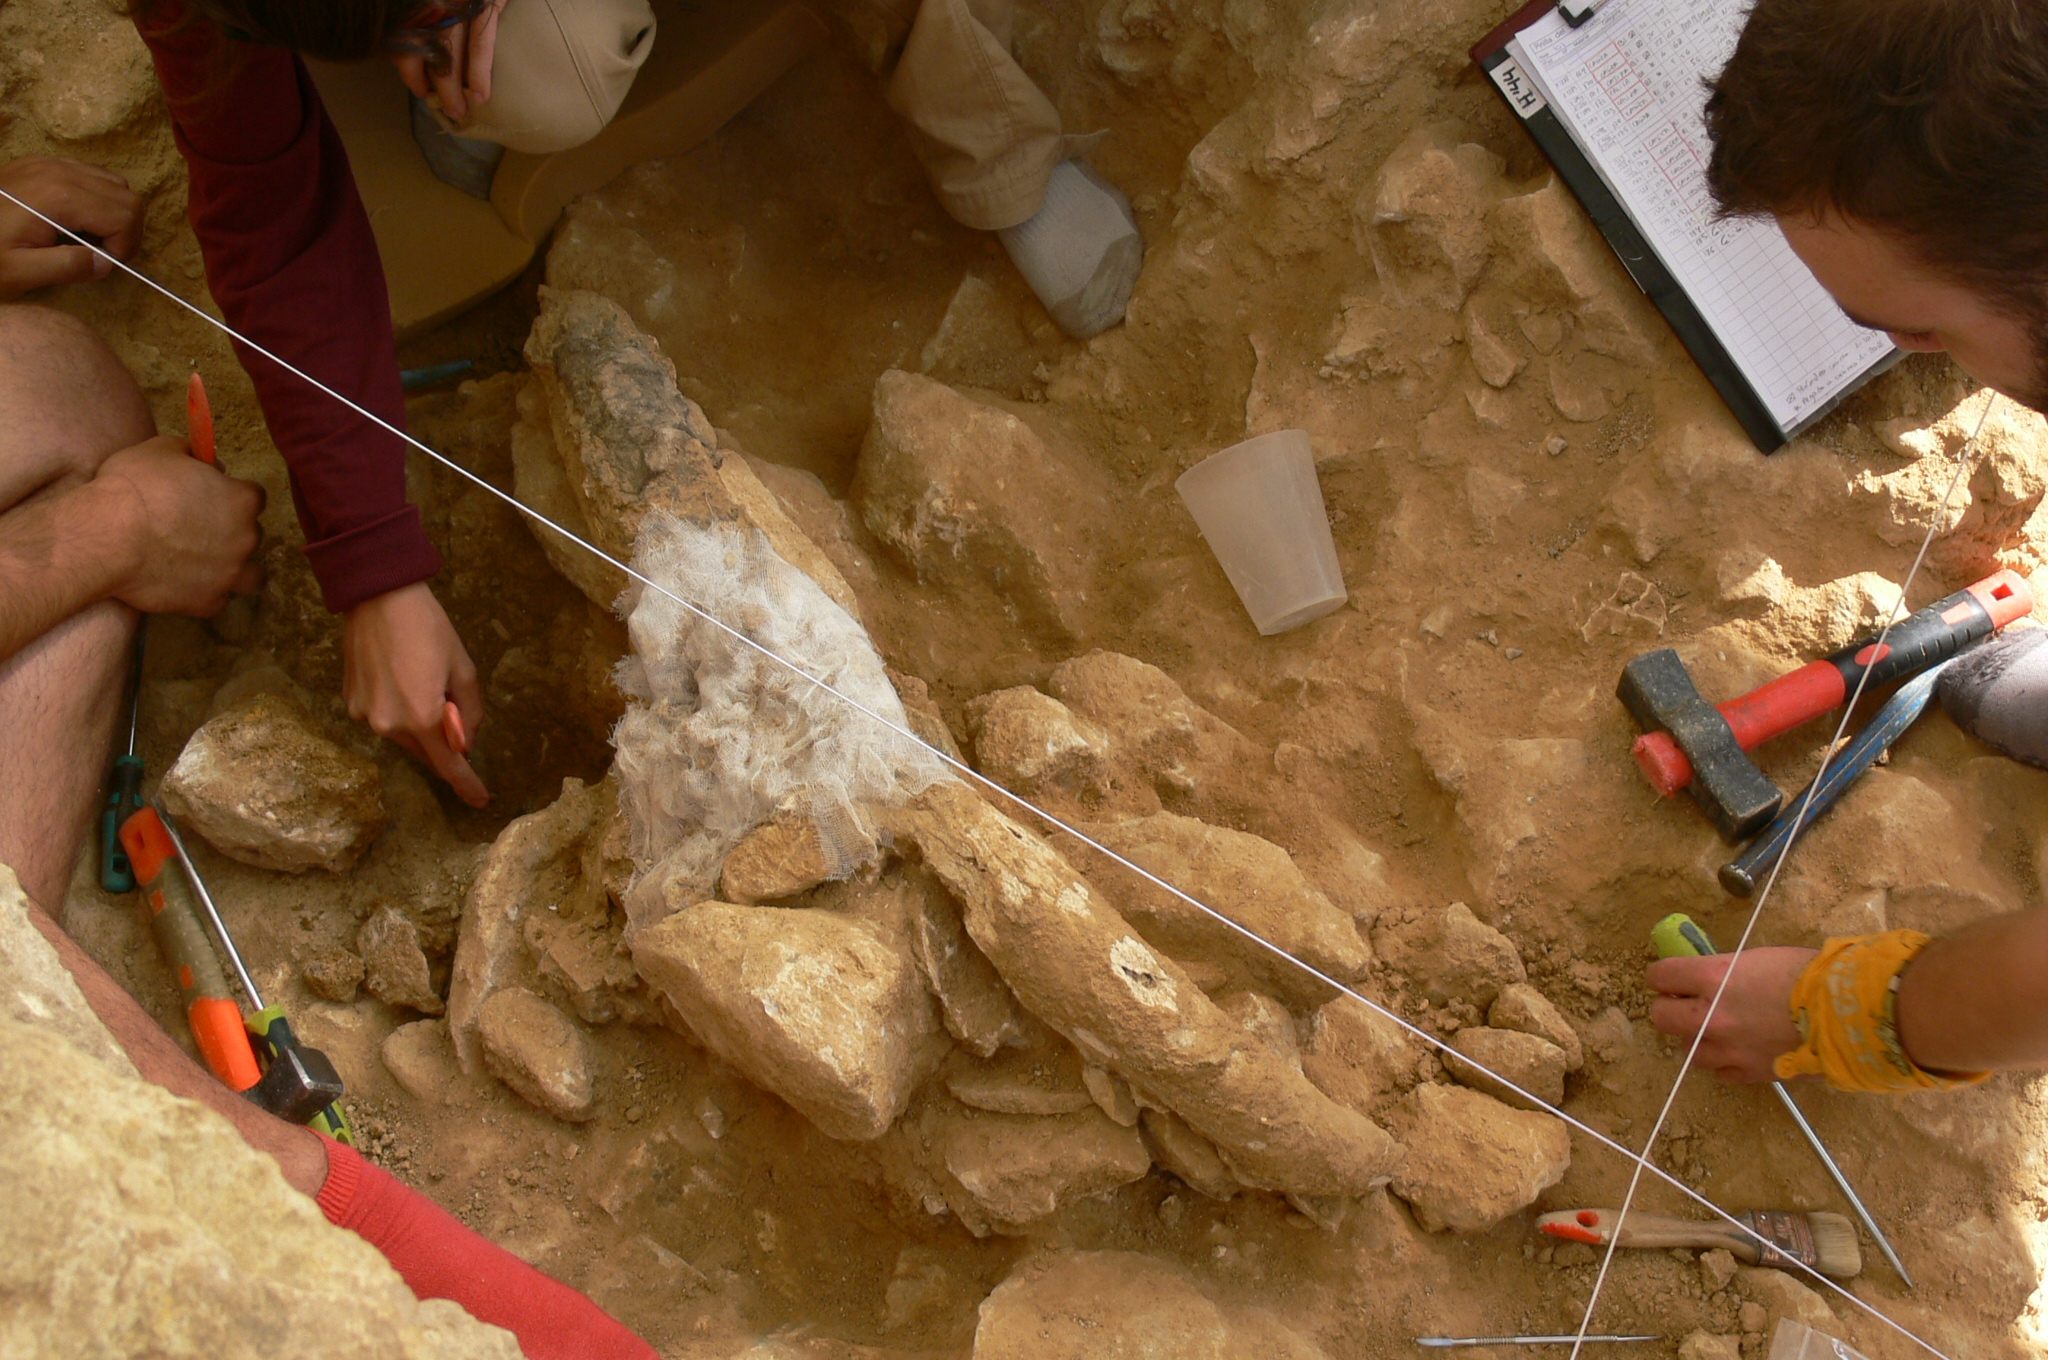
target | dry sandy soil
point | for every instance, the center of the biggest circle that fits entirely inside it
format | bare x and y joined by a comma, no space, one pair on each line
1529,483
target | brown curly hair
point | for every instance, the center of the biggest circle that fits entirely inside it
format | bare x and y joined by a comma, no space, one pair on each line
1925,119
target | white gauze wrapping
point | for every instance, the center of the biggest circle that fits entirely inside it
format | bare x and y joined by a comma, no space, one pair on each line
716,735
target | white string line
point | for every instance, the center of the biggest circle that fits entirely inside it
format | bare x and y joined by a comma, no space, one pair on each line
1641,1161
1898,611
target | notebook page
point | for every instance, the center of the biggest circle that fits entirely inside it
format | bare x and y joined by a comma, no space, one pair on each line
1630,85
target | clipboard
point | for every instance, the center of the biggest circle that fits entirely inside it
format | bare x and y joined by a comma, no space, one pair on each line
1522,94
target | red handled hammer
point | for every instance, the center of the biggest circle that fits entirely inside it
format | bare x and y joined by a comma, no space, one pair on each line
1688,744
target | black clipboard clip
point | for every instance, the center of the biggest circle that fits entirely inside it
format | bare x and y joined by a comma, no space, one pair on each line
1576,12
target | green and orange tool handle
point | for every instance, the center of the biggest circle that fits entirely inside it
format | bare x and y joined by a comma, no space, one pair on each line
258,1056
210,1006
124,797
299,1084
1925,638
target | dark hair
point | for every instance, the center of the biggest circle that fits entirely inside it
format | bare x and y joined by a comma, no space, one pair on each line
328,30
1924,119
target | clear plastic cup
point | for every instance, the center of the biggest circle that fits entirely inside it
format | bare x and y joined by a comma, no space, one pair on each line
1261,509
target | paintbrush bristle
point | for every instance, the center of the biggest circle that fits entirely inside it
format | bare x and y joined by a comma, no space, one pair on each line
1838,1253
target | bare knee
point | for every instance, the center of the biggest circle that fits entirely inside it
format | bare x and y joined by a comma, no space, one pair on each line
67,402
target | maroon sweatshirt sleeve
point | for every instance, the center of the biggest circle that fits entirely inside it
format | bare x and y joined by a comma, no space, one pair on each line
293,266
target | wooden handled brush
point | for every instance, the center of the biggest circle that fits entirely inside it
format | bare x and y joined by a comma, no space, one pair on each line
1820,1241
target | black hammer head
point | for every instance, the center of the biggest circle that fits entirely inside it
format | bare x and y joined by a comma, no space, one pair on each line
1737,796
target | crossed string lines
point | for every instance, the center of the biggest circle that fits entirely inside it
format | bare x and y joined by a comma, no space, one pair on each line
1964,460
1641,1160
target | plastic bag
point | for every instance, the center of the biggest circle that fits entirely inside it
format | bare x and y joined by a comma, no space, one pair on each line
1797,1341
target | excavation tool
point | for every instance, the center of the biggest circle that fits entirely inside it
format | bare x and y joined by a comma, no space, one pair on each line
124,796
1565,1339
1688,743
1768,1237
1741,875
1679,936
292,1081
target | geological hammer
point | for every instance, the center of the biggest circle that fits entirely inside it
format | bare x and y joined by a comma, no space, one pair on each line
1688,743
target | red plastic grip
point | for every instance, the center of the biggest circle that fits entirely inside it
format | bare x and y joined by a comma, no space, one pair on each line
199,422
224,1042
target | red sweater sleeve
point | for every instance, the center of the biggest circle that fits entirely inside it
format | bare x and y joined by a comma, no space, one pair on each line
293,266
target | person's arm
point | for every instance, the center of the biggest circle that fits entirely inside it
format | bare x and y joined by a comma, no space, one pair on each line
1977,1000
291,260
155,529
1972,1001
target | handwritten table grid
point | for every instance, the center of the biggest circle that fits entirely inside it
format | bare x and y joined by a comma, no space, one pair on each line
1630,87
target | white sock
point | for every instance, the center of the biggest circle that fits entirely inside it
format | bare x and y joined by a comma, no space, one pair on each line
1080,251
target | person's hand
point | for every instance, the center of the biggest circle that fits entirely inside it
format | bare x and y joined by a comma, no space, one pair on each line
1753,1023
85,199
455,70
186,532
401,664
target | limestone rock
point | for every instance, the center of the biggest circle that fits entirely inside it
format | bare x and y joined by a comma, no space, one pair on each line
1111,1094
1187,1154
1044,1080
765,510
39,990
94,85
1359,1057
794,851
1425,221
1265,1020
549,863
964,489
1119,1305
266,788
538,1052
1450,955
1471,1161
332,974
394,968
1532,1063
1710,1346
1186,753
1006,1172
1250,880
1785,1296
141,1224
811,1006
1033,744
1521,1007
604,436
421,1059
1078,965
976,1006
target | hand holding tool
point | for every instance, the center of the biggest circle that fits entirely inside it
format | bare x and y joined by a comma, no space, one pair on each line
1688,743
124,798
1768,1237
1741,875
1678,936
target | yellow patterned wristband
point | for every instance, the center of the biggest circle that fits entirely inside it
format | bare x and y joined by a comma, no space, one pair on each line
1846,1007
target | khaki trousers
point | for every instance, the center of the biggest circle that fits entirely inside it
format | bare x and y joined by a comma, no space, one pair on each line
986,134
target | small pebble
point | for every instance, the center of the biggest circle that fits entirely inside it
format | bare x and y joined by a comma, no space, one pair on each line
1554,445
1512,653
